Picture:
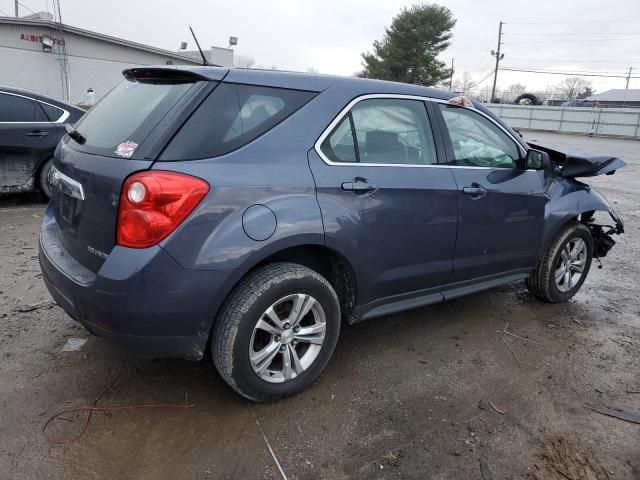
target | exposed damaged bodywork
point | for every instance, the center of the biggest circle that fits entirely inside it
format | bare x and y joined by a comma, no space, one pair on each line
573,199
574,165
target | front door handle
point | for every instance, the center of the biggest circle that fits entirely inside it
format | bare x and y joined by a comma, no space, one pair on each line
358,187
37,133
476,191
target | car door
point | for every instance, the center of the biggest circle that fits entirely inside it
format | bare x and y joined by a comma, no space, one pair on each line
386,203
500,203
27,137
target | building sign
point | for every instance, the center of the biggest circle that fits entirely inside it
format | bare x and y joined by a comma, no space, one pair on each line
30,37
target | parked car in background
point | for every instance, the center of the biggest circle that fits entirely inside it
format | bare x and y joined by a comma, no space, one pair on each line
31,125
252,212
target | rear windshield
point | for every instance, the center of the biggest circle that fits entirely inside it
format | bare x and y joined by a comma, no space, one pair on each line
232,116
121,121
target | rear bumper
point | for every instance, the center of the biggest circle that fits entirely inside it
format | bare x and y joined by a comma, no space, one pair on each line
140,300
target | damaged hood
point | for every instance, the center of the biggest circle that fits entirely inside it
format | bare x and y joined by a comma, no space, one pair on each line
581,165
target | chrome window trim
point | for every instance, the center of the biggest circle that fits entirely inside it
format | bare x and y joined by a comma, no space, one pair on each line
327,131
63,118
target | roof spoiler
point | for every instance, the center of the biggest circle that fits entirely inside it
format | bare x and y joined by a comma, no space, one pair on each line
161,75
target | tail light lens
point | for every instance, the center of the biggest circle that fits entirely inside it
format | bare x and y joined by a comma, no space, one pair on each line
153,204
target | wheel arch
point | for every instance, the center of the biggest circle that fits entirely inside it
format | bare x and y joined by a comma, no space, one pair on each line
327,261
577,204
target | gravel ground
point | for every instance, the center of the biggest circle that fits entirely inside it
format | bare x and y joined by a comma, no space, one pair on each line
433,393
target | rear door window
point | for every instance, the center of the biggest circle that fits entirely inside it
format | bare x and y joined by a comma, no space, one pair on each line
17,109
121,121
386,131
232,116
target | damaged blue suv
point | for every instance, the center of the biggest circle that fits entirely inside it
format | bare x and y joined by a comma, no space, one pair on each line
252,212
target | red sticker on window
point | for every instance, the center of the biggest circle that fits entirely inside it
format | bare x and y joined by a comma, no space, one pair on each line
126,149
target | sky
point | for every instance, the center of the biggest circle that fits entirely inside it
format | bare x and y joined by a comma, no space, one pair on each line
329,35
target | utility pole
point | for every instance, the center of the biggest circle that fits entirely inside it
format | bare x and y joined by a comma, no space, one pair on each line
499,57
451,79
16,8
628,78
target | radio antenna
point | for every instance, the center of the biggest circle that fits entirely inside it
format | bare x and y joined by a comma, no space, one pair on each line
204,59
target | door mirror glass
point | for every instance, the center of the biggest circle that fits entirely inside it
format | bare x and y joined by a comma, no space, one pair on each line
537,160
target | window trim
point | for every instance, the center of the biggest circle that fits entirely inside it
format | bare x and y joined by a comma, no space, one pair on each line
347,109
62,119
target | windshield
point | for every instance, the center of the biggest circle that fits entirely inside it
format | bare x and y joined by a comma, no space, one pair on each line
122,120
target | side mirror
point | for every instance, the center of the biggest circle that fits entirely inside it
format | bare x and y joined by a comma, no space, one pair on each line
537,160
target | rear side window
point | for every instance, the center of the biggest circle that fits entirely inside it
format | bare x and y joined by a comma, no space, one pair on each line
232,116
386,131
17,109
53,113
339,146
120,122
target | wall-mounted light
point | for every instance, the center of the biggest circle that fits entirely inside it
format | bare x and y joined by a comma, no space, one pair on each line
47,44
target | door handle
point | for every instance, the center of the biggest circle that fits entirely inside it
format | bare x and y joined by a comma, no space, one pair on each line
37,133
476,191
358,187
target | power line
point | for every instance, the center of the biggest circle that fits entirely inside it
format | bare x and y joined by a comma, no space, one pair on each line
473,85
572,21
573,60
549,72
26,8
575,33
529,42
616,72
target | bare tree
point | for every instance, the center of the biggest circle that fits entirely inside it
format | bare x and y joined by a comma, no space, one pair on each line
464,85
573,86
512,92
243,61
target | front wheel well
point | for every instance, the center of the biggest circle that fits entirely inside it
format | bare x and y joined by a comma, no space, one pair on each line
330,264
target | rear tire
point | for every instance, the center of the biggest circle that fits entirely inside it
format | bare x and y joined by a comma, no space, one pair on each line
565,265
43,178
260,346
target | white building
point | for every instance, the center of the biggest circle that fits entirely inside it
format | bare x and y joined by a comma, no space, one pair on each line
62,61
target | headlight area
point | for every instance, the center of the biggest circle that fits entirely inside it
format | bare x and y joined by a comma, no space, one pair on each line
618,219
602,234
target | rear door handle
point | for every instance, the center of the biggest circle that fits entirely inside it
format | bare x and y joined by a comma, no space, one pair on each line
475,191
358,186
37,133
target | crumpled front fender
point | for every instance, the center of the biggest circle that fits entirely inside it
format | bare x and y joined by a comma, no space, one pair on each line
568,200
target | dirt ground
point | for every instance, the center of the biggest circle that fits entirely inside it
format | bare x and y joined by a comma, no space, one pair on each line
434,393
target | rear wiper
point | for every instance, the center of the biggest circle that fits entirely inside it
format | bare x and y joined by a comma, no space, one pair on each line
75,134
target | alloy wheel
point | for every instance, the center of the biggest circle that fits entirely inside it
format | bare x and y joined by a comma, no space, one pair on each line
571,264
287,338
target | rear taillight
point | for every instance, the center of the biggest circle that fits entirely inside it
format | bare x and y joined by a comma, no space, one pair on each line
153,204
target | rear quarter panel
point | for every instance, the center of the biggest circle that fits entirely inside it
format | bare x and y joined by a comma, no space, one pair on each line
273,171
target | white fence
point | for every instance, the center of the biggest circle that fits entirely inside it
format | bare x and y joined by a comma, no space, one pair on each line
621,122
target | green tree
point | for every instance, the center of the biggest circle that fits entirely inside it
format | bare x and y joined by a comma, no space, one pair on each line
409,49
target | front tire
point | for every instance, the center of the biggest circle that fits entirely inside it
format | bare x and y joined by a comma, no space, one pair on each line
564,268
276,332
